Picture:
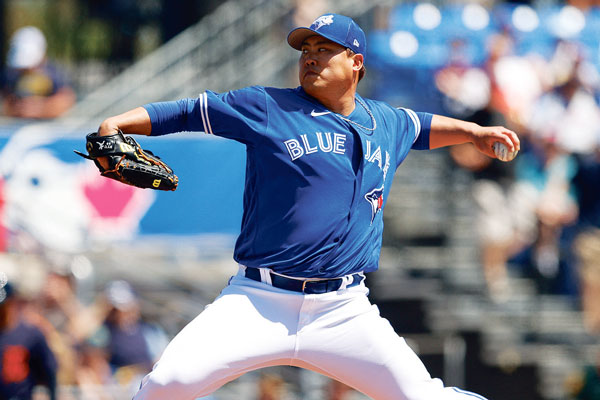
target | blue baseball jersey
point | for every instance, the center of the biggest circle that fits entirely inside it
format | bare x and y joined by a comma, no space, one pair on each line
316,181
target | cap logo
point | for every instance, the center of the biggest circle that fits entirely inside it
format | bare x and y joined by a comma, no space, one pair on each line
321,21
356,43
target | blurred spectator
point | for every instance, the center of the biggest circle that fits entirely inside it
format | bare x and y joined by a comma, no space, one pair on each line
93,371
132,346
515,80
503,225
546,172
465,88
25,358
568,113
63,319
33,86
60,305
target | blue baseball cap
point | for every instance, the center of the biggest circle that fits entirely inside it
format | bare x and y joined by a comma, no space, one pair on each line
335,27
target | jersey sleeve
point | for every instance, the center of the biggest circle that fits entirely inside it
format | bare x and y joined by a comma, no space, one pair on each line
413,132
419,124
239,115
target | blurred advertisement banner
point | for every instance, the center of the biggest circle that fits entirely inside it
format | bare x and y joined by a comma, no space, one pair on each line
54,199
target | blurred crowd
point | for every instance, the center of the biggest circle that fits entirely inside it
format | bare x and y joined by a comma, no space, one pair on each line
51,338
539,214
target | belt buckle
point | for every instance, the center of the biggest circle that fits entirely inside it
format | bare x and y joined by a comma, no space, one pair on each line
304,285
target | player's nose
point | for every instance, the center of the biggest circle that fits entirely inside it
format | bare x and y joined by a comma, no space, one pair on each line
309,61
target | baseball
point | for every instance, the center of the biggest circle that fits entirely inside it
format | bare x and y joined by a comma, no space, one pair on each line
503,153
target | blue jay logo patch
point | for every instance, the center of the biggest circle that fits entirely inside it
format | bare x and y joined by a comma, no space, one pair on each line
323,20
375,198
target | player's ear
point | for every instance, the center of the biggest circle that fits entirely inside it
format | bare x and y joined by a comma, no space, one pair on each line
358,62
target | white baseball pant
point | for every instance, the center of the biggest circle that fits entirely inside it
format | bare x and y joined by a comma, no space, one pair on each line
252,325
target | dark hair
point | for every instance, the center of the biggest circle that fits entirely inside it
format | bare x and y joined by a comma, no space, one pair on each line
362,72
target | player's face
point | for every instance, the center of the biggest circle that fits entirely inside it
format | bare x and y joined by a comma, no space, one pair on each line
324,64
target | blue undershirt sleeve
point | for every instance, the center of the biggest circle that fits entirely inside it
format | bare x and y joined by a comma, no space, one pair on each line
173,116
422,142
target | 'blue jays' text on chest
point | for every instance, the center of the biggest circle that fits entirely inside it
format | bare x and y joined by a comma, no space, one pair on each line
377,156
326,142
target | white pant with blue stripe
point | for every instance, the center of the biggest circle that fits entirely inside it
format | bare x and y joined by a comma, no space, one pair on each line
252,325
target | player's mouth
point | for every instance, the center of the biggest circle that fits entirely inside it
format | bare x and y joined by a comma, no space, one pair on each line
310,73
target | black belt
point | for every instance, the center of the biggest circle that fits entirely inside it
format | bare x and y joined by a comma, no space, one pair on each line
304,286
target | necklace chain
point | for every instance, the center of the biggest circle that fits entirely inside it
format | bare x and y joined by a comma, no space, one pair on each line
356,123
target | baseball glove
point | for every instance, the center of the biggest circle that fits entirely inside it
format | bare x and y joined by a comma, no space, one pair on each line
128,162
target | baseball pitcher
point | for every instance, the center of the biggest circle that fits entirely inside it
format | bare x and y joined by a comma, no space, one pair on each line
320,165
